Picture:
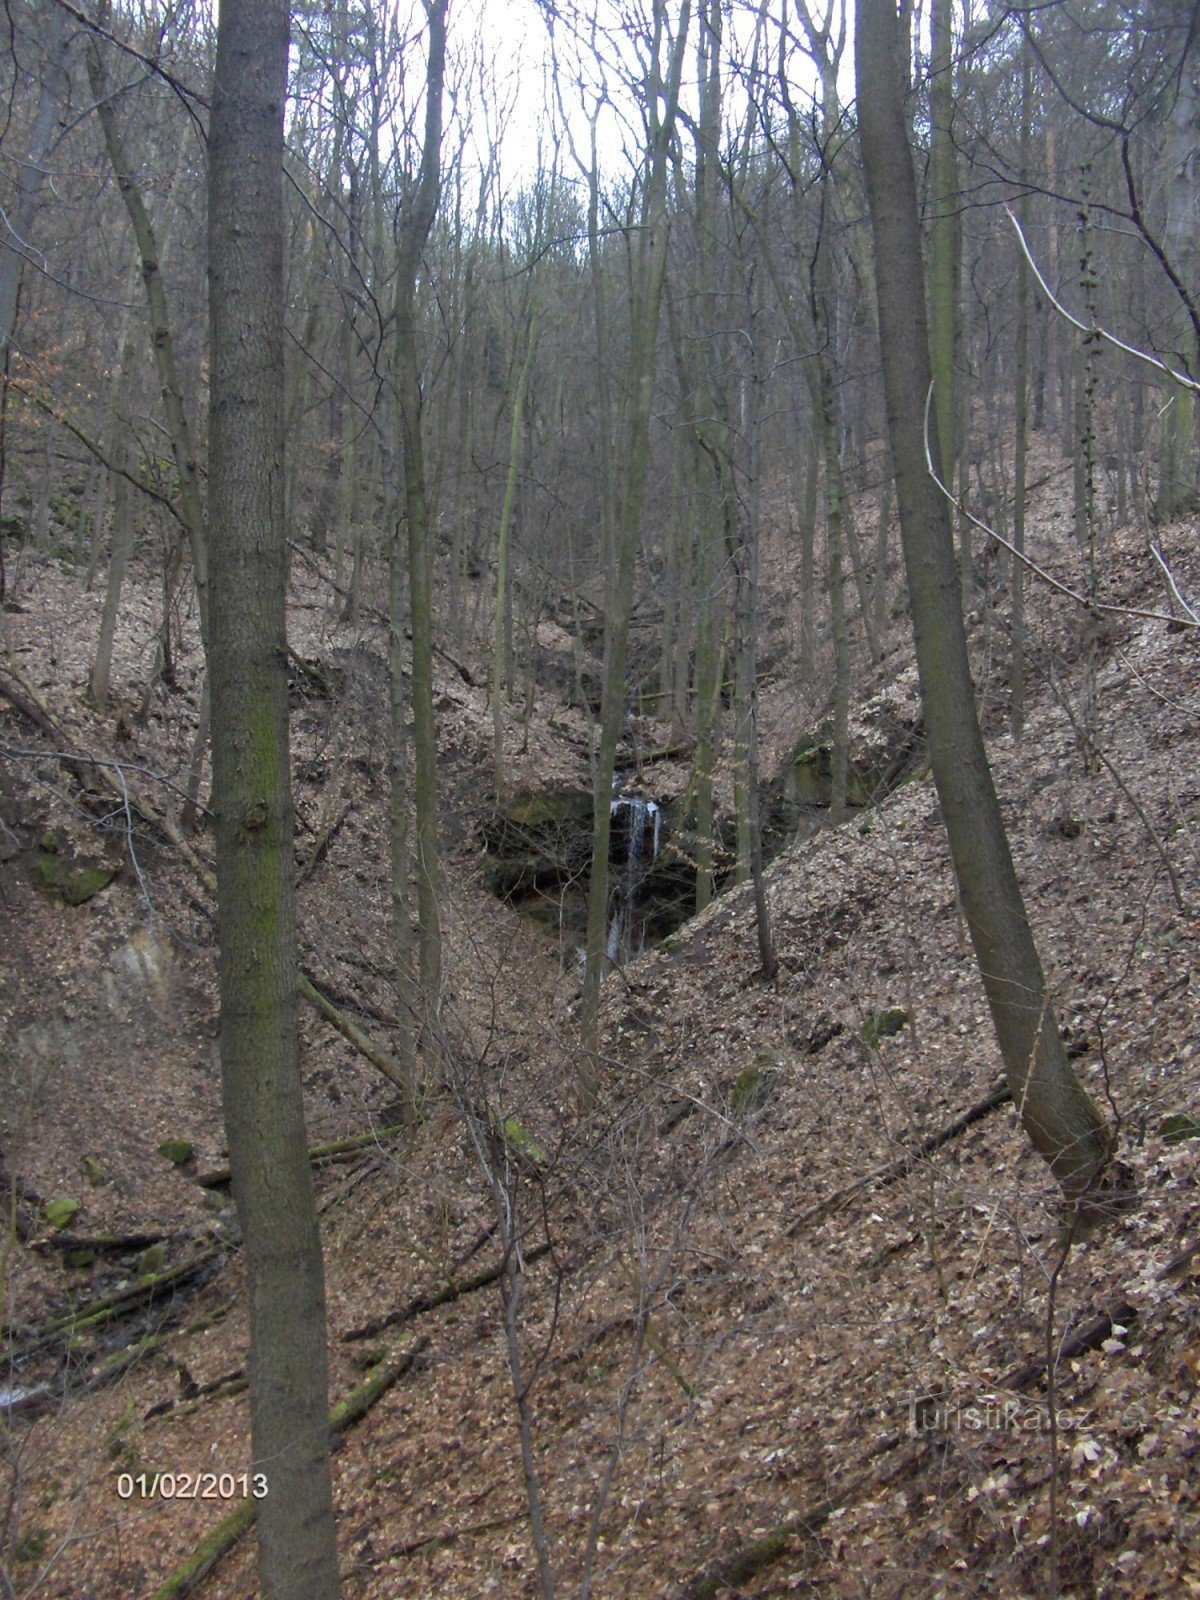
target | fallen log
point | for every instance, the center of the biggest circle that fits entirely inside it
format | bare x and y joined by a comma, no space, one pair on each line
101,1244
318,1154
95,1313
382,1377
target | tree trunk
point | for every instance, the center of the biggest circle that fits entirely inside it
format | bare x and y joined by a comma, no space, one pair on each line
1057,1113
31,172
191,503
260,1068
662,99
1021,420
944,235
510,490
416,220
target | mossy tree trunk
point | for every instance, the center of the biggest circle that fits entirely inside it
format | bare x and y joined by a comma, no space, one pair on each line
1177,489
1057,1113
260,1066
502,543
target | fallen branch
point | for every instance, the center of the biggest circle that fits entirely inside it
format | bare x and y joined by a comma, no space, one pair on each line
362,1042
1089,1337
1085,602
423,1303
464,672
321,844
886,1175
318,1154
412,1547
95,1313
101,1244
241,1519
723,1575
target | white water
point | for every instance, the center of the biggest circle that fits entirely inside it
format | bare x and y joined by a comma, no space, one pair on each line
626,932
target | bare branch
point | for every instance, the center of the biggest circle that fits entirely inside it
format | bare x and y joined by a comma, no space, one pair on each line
1095,331
1082,600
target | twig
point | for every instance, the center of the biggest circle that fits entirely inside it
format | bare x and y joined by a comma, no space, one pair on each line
1095,331
1170,577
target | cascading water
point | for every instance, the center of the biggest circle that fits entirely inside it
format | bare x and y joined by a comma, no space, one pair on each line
626,928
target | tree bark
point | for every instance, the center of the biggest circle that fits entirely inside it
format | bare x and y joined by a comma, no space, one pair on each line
260,1067
31,172
662,100
418,214
1057,1113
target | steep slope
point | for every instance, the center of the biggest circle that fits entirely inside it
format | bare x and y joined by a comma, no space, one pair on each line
732,1326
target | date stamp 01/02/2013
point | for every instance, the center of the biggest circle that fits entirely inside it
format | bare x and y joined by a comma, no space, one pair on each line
192,1485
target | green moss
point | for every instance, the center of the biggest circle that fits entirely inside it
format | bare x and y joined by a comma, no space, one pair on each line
883,1025
31,1546
70,884
153,1259
176,1151
61,1211
1178,1127
755,1084
548,810
745,1087
92,1171
519,1139
115,1445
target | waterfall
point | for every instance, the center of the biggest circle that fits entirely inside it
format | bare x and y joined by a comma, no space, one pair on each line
626,932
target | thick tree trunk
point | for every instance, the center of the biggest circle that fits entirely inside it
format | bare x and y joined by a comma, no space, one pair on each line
1055,1108
264,1112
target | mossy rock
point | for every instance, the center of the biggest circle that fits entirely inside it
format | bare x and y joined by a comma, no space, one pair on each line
176,1151
519,1139
536,811
755,1084
31,1546
79,1260
70,884
884,1025
61,1211
1178,1127
153,1259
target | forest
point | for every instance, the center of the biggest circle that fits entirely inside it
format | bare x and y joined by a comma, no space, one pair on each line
599,606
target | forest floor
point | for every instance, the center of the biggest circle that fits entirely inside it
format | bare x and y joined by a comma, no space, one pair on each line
758,1323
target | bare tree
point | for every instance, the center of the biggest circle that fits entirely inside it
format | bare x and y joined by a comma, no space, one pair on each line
260,1066
1058,1115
